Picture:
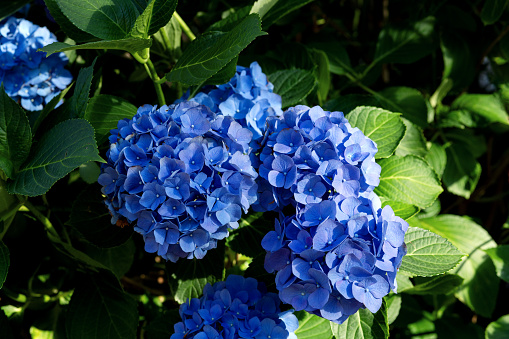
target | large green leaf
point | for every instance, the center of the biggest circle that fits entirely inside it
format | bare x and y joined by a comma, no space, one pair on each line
209,53
462,171
77,105
118,259
413,143
10,7
408,179
15,135
4,263
405,44
280,9
500,257
312,326
401,209
383,127
393,306
498,329
100,309
155,15
480,285
322,75
442,284
363,325
91,218
437,158
428,254
131,45
292,85
407,101
484,108
62,149
225,74
459,60
67,26
105,19
339,61
261,7
188,277
492,11
105,111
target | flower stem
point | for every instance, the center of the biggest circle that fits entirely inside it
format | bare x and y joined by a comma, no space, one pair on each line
45,221
185,27
166,40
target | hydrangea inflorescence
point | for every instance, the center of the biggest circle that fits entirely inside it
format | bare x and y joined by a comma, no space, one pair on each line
236,308
341,250
28,76
183,173
248,97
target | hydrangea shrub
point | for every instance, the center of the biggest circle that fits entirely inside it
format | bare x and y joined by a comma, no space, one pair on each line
28,76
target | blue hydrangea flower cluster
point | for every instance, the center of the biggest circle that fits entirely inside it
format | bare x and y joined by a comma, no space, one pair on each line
183,173
248,97
236,308
341,250
28,76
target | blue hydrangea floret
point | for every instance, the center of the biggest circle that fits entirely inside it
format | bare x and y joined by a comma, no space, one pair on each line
248,97
340,250
28,76
236,308
183,174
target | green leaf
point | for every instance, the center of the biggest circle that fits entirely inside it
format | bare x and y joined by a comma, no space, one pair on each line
49,107
363,325
4,263
10,7
459,62
60,150
476,144
155,15
77,105
248,237
407,101
280,9
225,74
15,135
339,61
261,7
405,44
498,329
188,277
462,171
431,211
408,179
105,19
292,85
322,74
393,307
480,285
232,20
442,284
383,127
428,254
105,111
484,108
404,282
500,257
437,158
413,143
118,259
174,34
67,26
349,102
492,11
131,45
209,53
401,209
100,309
312,326
91,218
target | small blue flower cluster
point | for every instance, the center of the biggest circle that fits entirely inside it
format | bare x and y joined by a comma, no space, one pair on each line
247,97
28,76
236,308
183,173
341,250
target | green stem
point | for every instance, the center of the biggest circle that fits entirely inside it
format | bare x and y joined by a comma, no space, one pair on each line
166,40
157,82
45,221
185,27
